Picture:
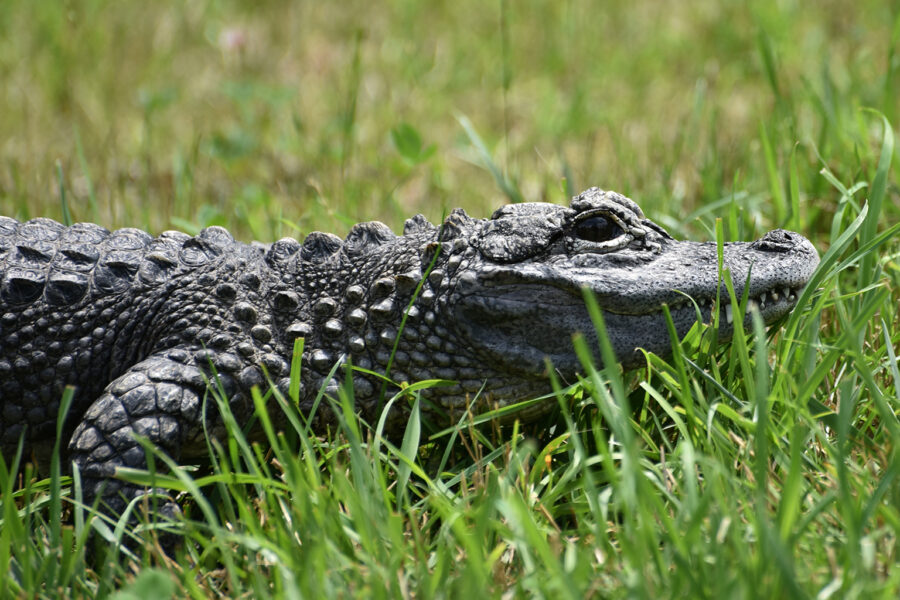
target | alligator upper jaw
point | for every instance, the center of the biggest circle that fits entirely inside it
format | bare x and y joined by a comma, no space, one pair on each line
521,313
636,282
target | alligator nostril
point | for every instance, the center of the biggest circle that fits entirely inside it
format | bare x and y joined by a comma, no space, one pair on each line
778,240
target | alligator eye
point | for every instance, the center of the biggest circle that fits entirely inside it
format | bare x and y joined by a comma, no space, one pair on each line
597,229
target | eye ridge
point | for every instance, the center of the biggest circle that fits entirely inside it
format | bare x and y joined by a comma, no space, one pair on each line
597,229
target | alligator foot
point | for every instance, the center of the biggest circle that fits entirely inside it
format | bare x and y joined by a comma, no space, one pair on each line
159,399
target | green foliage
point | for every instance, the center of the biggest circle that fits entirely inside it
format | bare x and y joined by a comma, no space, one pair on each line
150,584
409,145
766,467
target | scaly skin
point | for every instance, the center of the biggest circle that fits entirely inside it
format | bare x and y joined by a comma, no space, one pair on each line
134,322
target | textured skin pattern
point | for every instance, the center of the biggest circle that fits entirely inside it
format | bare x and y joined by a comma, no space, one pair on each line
136,322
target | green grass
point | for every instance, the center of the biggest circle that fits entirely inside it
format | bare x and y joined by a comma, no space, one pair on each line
767,467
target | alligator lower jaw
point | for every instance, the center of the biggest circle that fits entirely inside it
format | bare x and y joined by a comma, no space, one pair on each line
520,326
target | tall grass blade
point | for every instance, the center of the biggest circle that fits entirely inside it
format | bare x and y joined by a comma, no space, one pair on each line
506,185
868,271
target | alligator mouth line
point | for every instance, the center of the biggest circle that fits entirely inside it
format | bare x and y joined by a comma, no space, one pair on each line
775,300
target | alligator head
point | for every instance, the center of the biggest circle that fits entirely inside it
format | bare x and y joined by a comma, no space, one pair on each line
517,295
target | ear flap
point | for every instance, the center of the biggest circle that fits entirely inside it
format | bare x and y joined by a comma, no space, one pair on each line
516,238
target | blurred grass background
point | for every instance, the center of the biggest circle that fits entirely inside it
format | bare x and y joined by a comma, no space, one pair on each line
269,117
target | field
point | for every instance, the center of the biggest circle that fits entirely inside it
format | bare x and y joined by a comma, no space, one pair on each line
767,467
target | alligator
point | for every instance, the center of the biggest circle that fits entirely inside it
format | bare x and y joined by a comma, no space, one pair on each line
140,325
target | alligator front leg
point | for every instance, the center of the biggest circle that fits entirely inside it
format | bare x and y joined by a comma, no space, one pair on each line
159,399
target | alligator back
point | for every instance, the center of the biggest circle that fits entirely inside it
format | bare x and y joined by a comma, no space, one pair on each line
77,307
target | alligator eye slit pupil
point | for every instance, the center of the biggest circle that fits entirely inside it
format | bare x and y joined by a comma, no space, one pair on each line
597,229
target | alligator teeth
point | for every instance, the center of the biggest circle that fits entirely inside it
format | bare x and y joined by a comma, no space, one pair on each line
728,314
786,292
762,299
774,296
752,304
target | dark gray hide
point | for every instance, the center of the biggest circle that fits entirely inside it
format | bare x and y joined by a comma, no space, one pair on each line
134,322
